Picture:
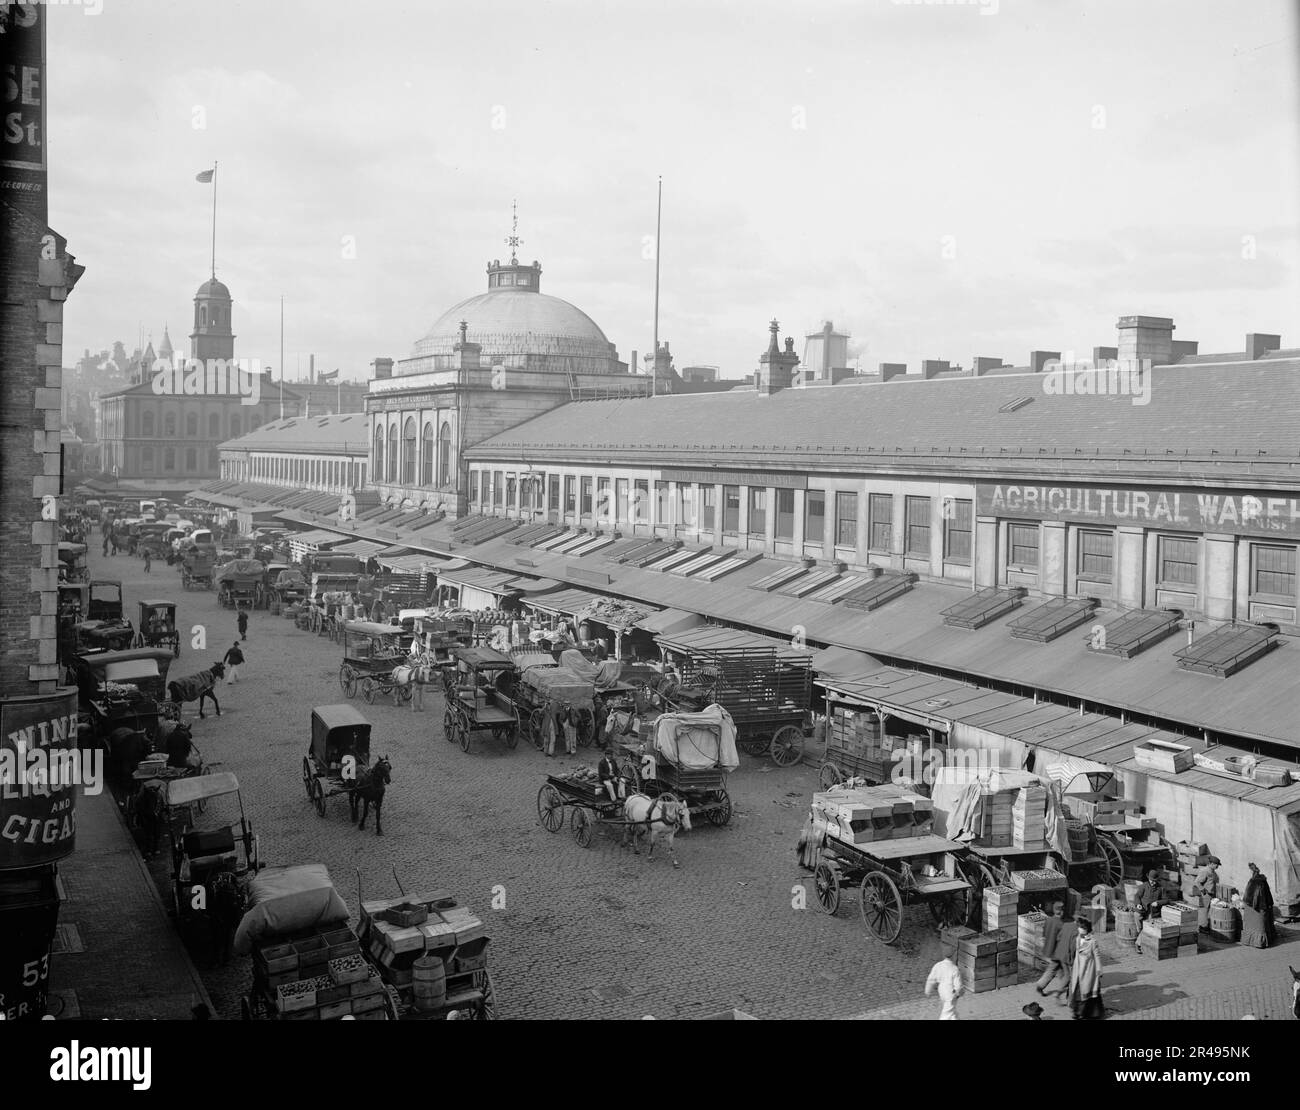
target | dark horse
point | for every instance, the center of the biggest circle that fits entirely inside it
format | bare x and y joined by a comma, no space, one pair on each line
226,904
197,687
370,788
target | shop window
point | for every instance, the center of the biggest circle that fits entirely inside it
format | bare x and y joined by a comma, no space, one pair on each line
473,486
570,494
1096,554
880,522
498,488
1272,573
958,518
846,519
785,514
553,494
641,501
814,516
916,520
1022,546
586,504
621,498
1177,561
426,454
757,511
708,507
730,509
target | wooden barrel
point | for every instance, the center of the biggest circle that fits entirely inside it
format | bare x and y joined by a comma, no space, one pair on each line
1225,922
429,984
1078,834
1128,923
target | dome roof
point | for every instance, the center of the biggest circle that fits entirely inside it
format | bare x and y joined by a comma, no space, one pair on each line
213,288
516,321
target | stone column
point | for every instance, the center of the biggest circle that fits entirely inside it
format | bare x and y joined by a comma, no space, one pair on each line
987,563
1053,558
1218,585
1128,579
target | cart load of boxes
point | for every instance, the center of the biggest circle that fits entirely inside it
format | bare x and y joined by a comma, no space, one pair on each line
865,814
321,977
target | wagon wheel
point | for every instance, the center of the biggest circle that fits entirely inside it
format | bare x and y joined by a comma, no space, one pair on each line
722,814
1113,868
308,775
754,743
536,724
667,796
392,1003
487,1009
881,906
449,724
344,673
581,824
829,775
501,733
368,690
318,796
550,808
631,771
787,745
512,736
464,730
826,887
176,648
950,909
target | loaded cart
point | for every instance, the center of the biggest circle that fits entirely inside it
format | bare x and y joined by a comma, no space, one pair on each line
686,759
307,962
478,700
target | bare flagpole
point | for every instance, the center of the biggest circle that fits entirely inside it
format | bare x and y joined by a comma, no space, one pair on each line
281,356
654,366
214,220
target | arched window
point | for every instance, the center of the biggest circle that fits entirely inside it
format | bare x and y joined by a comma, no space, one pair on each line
146,424
444,455
377,464
234,427
391,472
169,426
203,314
426,455
214,425
191,424
408,452
191,459
169,458
146,457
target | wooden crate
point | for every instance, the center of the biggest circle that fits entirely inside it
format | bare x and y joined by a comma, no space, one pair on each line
1161,755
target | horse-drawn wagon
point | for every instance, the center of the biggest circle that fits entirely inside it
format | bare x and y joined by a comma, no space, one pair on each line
338,761
122,689
72,562
767,691
371,652
687,758
158,626
105,626
197,569
479,698
239,584
288,587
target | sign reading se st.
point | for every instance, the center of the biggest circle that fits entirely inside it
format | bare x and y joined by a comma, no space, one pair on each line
22,131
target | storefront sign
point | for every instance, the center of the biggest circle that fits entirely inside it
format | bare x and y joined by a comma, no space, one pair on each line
22,130
1177,510
29,913
736,478
38,747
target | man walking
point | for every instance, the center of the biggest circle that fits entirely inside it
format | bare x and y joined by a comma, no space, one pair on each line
946,979
234,658
418,676
242,621
1063,953
1051,930
148,560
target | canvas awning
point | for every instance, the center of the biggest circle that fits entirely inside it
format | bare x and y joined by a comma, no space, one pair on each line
534,585
317,537
709,638
563,603
495,582
668,621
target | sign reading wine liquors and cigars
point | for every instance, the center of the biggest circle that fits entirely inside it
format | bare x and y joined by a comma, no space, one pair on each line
1178,510
38,744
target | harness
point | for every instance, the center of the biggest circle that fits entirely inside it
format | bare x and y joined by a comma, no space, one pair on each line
675,823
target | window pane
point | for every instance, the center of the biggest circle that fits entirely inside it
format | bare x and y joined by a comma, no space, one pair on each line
785,514
621,497
916,536
957,537
730,508
570,494
498,487
641,501
1274,571
661,503
814,517
1095,553
553,503
586,496
881,522
708,507
1178,560
604,505
510,492
846,519
1022,542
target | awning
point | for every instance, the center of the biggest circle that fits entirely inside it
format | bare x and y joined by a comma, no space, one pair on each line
713,638
495,582
534,585
361,548
408,564
563,603
836,662
669,621
317,537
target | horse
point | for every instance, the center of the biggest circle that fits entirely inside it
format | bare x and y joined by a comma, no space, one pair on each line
1295,991
149,807
226,904
197,687
405,674
662,820
370,788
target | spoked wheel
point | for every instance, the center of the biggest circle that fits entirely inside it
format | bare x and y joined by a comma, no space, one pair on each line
951,909
449,725
308,775
368,690
463,732
487,1010
667,796
512,736
881,906
722,813
631,771
448,683
318,797
787,746
536,727
1113,868
829,775
581,823
826,887
586,733
347,680
550,808
754,743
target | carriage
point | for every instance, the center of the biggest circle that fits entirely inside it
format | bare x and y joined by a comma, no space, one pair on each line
72,562
197,569
123,689
239,584
687,758
479,699
158,626
440,634
339,754
221,851
767,692
288,587
539,683
370,654
151,536
104,626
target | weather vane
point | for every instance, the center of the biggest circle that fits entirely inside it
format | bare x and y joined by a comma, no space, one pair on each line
514,240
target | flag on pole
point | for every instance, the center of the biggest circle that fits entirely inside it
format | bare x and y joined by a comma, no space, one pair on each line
205,176
324,377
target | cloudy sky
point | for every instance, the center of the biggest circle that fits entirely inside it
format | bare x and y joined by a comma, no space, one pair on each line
941,180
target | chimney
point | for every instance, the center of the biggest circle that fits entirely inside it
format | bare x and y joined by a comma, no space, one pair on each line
1184,347
775,367
383,368
311,369
465,353
839,373
892,370
1101,356
931,367
1257,344
1039,359
632,364
1146,337
981,365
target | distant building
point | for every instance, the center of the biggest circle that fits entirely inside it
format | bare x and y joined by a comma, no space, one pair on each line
824,352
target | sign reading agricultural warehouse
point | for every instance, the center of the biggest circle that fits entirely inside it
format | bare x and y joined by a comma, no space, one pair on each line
1183,510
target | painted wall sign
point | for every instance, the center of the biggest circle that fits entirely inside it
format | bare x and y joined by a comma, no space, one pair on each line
38,791
1177,510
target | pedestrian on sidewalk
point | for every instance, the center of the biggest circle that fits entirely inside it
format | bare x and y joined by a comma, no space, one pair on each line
233,660
1258,929
1055,966
148,560
946,979
1085,975
242,621
1064,952
106,538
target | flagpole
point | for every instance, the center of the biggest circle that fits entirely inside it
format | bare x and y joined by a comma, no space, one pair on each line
214,220
658,221
281,356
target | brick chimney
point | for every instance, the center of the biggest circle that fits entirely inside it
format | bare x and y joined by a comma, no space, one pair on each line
775,367
1258,344
1146,337
383,368
931,367
892,370
981,365
465,353
1039,359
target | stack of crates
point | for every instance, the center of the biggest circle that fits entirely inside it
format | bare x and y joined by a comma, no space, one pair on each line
1027,817
1187,919
1192,857
988,961
1029,939
1000,909
1159,939
996,819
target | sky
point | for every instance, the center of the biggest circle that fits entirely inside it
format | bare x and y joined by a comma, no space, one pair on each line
941,180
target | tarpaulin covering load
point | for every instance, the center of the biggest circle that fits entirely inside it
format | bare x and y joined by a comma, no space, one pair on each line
698,740
958,792
242,570
287,578
573,660
288,899
561,685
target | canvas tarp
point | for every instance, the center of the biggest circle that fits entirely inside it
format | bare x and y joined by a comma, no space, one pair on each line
561,685
698,740
288,899
242,570
957,794
289,578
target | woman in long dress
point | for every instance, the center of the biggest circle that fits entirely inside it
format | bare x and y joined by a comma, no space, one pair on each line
1085,975
1258,926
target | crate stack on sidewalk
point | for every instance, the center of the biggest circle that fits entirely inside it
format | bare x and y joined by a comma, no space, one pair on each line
1028,817
1029,940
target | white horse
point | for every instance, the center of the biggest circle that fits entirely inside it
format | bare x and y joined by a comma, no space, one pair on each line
406,673
1295,990
661,819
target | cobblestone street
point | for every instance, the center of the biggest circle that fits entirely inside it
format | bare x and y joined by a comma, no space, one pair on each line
584,933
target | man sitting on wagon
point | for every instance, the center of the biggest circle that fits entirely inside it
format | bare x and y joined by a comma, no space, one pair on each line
611,778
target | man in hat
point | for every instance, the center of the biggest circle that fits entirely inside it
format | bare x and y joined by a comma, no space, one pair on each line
1150,895
1055,964
1033,1011
1207,888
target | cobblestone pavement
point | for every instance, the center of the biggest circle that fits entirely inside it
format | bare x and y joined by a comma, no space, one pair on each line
582,933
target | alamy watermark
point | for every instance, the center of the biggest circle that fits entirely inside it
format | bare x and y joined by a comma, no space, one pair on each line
1071,377
27,772
986,7
217,377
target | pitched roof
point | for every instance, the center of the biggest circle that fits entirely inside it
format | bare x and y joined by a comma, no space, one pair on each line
317,434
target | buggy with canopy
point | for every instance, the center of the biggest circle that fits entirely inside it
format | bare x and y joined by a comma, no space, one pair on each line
339,753
240,583
158,626
72,562
223,849
479,697
197,568
122,689
370,653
